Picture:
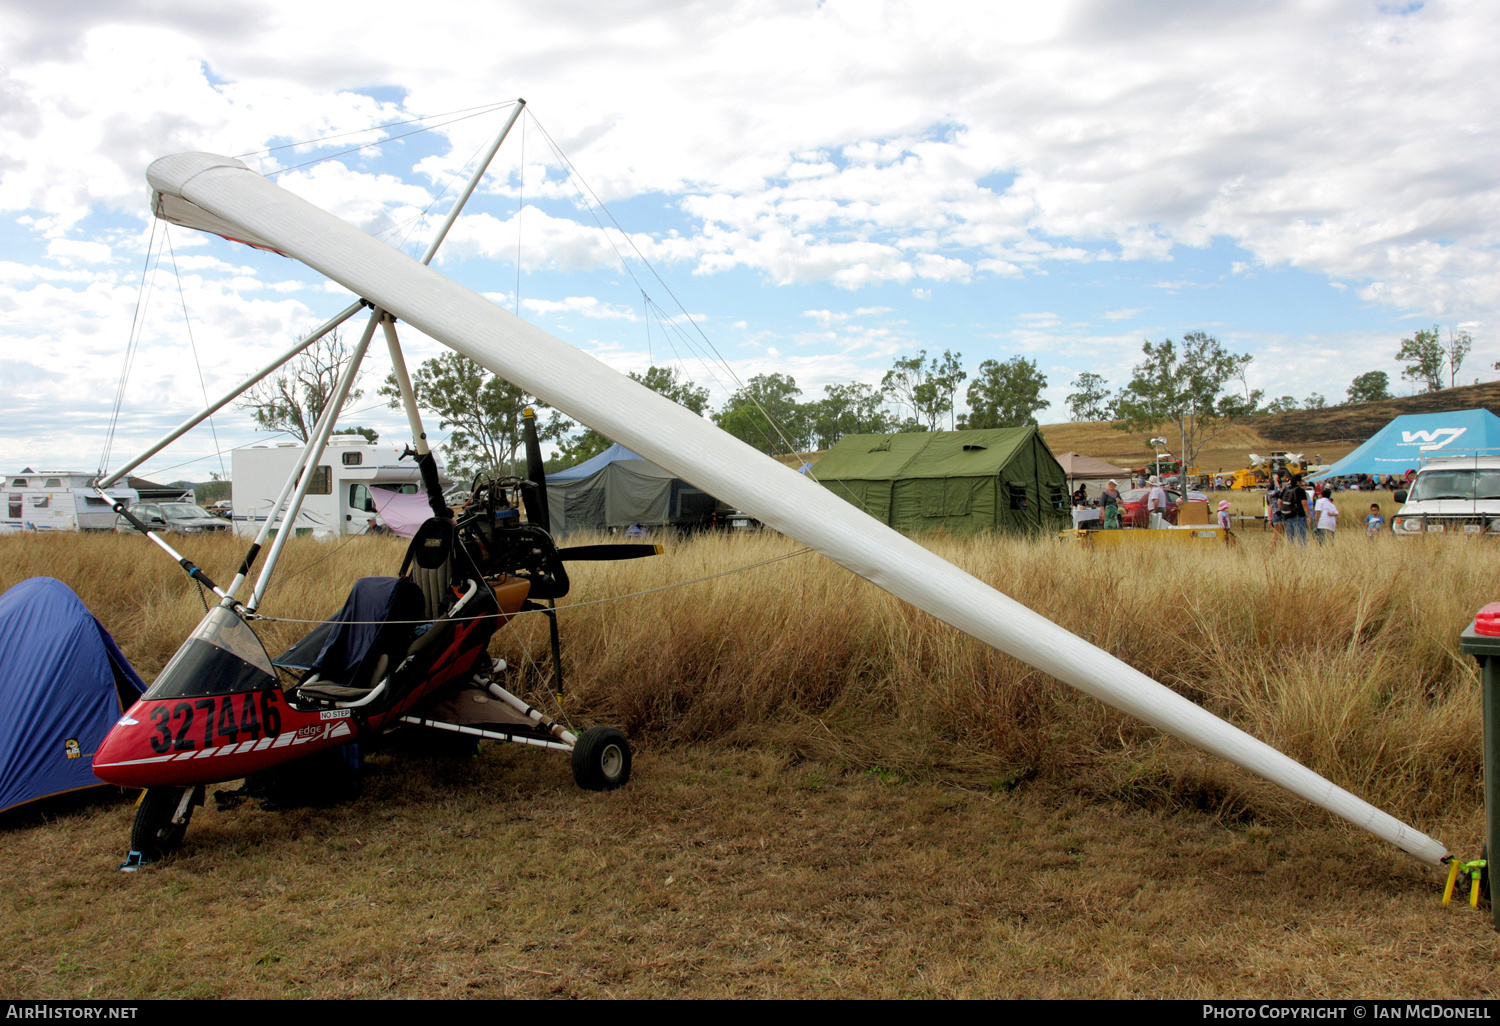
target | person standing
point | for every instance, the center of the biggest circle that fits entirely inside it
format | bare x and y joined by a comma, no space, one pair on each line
1374,522
1273,509
1156,502
1224,513
1295,510
1109,502
1328,515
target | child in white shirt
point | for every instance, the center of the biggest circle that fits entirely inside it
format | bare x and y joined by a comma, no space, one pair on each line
1327,514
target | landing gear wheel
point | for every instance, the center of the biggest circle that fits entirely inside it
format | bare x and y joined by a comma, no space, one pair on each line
153,833
601,759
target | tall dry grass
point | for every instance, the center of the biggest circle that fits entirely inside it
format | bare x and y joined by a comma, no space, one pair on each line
1346,656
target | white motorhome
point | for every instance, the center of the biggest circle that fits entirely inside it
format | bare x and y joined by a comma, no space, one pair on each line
338,499
58,501
1453,495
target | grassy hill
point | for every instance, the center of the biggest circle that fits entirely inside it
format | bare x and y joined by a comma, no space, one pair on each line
1331,433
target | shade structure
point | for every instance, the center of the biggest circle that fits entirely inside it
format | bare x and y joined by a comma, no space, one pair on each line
679,440
1086,470
954,481
1406,441
63,684
616,489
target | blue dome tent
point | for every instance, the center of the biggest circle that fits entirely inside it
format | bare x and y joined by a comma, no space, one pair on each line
1406,441
63,684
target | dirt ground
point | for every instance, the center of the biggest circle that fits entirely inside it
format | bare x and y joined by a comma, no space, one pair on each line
720,872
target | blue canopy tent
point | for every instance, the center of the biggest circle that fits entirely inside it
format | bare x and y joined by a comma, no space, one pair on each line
1405,442
63,684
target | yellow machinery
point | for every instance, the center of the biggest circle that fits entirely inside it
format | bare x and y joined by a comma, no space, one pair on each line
1258,474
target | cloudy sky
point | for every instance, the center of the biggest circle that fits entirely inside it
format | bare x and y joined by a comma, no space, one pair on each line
825,186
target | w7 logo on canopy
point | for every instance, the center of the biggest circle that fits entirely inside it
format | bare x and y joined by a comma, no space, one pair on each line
1429,439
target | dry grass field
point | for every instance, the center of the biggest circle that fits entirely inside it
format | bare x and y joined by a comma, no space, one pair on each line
834,794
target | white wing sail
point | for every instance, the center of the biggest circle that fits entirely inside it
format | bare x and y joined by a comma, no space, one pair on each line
675,438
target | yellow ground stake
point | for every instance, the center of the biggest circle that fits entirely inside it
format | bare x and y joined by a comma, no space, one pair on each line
1475,869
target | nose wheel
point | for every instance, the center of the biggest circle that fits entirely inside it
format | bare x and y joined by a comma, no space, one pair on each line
161,820
601,759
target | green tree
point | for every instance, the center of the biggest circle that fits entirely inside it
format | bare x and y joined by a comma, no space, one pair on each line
482,410
852,409
1424,357
925,387
1006,394
1315,402
1092,400
370,434
1285,404
293,399
1186,387
765,413
1370,387
1458,347
682,391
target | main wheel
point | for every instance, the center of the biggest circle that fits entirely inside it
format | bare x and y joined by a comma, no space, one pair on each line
153,833
601,759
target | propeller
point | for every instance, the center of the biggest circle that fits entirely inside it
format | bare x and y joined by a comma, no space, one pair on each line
600,553
534,488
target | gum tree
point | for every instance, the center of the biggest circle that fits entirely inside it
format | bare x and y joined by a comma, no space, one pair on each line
1188,387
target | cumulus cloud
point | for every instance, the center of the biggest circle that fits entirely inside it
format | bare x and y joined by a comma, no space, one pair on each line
841,145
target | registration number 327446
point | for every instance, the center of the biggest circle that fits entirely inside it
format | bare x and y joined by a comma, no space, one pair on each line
227,718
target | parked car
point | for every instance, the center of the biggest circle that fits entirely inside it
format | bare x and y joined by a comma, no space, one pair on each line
223,509
1133,507
1452,495
174,517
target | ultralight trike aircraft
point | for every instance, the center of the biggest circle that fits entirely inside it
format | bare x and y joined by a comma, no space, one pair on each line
217,711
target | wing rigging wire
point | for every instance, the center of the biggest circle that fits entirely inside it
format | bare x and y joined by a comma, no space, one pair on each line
192,343
132,344
599,203
481,108
382,142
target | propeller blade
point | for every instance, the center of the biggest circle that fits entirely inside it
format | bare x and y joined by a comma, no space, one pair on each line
535,497
599,553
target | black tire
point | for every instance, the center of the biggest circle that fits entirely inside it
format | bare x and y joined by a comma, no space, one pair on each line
601,759
153,833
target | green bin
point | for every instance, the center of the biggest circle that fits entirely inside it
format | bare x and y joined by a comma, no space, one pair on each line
1486,649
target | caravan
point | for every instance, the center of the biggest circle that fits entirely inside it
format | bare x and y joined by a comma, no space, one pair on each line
339,500
58,501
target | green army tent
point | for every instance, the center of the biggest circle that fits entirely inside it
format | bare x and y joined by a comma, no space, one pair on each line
959,481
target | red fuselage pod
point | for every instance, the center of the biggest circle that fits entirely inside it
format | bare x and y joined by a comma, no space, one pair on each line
215,712
180,742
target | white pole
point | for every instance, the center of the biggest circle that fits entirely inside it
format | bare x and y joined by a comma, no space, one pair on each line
313,453
233,393
403,384
473,181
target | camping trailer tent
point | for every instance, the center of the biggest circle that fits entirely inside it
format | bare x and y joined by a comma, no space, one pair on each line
616,489
958,481
63,682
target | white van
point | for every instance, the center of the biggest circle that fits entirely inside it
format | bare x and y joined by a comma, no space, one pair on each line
338,500
1452,495
58,501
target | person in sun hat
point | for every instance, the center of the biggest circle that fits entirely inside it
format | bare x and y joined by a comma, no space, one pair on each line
1156,501
1224,513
